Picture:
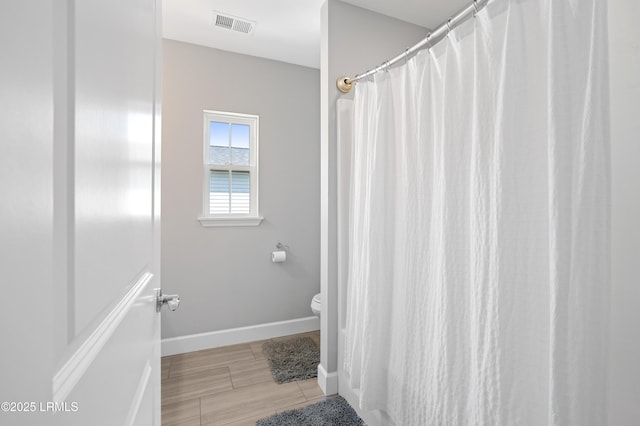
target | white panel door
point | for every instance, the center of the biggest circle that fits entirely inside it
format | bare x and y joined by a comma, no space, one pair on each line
79,219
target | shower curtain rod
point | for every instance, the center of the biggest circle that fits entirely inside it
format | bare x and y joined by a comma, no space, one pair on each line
345,83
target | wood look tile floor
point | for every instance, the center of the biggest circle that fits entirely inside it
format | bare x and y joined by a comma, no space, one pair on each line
229,386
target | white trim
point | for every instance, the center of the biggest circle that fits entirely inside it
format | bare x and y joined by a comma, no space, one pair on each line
72,371
137,397
216,339
235,117
212,222
328,382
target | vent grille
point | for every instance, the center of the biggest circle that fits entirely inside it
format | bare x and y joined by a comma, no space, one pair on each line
230,22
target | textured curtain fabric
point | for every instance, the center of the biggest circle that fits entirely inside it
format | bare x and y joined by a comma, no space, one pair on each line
479,224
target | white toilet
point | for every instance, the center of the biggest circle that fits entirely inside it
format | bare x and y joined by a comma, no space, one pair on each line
316,304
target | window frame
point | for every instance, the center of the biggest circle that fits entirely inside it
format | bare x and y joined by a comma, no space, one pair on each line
253,218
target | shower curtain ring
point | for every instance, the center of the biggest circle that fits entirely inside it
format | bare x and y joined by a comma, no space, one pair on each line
448,25
475,7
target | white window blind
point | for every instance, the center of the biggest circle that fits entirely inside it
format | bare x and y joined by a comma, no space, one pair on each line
229,192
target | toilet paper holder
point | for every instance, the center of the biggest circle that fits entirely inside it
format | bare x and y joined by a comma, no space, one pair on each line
280,255
281,246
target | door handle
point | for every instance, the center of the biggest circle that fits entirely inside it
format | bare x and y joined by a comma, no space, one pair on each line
171,300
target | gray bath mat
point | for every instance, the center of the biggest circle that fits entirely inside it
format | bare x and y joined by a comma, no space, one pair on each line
293,359
328,412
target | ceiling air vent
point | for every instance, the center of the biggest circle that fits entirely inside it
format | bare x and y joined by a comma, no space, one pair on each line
230,22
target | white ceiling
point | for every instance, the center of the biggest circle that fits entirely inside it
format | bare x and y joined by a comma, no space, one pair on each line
286,30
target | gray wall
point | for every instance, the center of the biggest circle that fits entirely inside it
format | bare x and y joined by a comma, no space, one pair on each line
353,40
624,385
224,275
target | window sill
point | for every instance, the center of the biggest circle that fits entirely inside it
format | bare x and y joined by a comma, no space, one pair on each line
212,222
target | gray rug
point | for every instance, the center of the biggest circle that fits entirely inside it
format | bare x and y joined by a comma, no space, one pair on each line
293,359
328,412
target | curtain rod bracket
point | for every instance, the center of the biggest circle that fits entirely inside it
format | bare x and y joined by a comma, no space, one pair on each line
344,84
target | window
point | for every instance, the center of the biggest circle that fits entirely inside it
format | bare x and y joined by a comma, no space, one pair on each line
230,196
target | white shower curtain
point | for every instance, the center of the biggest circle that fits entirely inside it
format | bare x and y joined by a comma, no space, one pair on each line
479,224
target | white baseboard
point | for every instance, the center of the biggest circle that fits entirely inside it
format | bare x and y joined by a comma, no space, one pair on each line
234,336
328,381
